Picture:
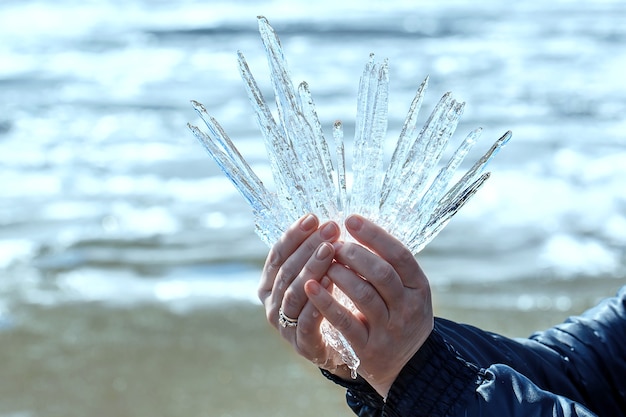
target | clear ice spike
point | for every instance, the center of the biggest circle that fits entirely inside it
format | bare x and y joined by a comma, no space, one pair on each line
405,141
422,159
277,145
473,172
441,218
367,161
341,171
320,164
440,184
300,131
219,145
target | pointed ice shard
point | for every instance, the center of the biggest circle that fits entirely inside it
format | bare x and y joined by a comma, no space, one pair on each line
412,198
342,198
371,127
404,144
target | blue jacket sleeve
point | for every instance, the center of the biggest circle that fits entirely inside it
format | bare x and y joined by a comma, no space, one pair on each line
505,392
577,368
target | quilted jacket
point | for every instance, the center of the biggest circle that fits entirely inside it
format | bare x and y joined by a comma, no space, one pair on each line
577,368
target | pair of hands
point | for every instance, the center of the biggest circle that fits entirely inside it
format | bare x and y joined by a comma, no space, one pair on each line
379,275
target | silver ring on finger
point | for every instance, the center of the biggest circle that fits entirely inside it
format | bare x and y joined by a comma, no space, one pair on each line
286,321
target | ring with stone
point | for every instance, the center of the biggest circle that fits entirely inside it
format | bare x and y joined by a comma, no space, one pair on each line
286,321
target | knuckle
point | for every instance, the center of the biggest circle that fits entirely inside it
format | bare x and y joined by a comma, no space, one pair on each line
304,327
308,271
262,293
342,320
311,245
350,251
289,270
385,273
292,301
373,233
402,257
365,293
284,278
275,258
271,314
326,303
309,325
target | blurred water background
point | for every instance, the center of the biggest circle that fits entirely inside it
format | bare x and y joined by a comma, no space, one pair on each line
128,262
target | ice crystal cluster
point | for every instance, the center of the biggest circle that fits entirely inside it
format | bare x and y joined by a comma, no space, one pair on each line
413,196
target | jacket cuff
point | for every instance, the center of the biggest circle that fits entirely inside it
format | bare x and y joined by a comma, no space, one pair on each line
433,382
360,392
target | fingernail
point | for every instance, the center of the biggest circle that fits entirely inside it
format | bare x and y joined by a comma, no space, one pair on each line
323,251
354,222
313,287
326,282
308,223
329,230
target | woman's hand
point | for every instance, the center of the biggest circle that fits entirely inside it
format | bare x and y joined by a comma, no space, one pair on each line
393,297
304,253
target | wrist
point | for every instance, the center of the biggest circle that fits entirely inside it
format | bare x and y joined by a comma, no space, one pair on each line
383,390
382,387
383,382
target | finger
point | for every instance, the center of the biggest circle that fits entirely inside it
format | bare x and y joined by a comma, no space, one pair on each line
293,266
366,298
281,251
389,248
315,268
309,341
374,269
338,315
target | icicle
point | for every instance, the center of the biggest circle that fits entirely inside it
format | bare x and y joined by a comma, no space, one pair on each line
367,162
405,142
439,185
342,196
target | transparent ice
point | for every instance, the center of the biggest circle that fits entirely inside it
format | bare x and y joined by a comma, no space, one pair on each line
413,197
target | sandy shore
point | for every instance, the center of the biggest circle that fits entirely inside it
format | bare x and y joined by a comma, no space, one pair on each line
219,361
89,360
